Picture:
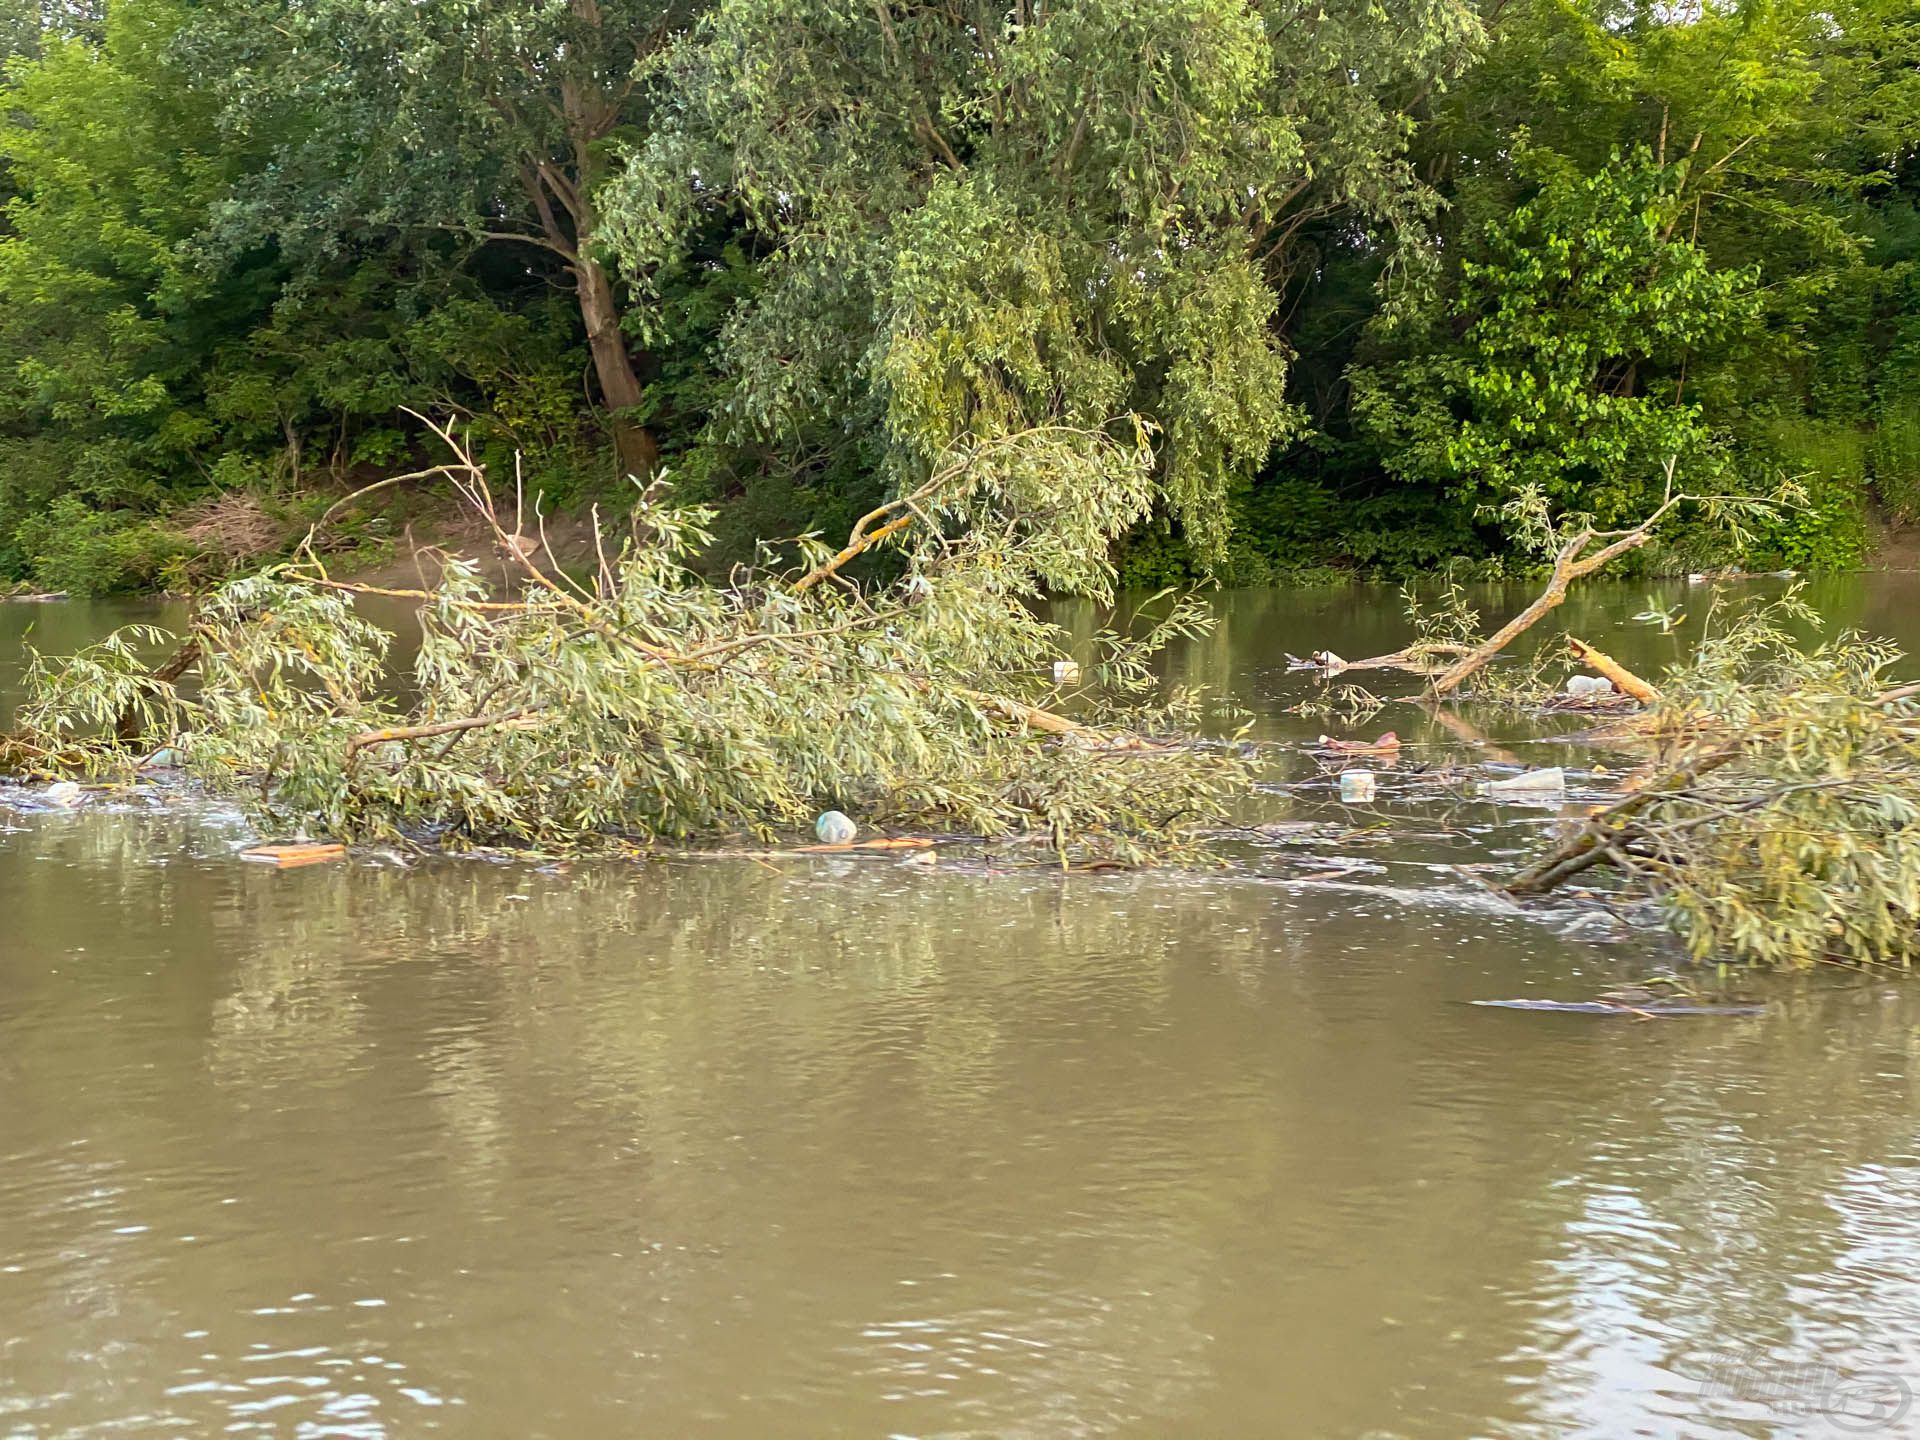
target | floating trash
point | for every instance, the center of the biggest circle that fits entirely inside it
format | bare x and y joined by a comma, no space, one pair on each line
1387,744
833,828
1356,787
1531,783
286,857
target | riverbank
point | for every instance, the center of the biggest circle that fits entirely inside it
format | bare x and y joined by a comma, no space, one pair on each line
403,537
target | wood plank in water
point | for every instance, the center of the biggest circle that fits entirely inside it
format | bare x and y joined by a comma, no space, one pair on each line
288,856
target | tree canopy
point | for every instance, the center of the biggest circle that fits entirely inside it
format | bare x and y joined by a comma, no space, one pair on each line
1353,272
972,219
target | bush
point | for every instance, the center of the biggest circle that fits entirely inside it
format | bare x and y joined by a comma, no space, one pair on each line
1895,457
96,552
1828,459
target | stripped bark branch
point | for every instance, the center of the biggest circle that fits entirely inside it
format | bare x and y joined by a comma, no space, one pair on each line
1624,680
1575,559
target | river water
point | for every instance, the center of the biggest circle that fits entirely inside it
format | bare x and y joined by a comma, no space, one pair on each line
827,1147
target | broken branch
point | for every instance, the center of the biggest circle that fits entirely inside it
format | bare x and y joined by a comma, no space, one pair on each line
427,732
1624,680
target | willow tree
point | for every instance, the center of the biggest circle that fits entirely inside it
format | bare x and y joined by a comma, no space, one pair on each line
26,25
492,120
974,219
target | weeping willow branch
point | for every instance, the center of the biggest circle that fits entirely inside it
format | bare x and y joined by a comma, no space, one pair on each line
655,706
428,732
350,587
1781,824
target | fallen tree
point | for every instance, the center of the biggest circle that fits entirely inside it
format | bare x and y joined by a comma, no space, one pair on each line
1778,822
1775,818
641,704
1574,548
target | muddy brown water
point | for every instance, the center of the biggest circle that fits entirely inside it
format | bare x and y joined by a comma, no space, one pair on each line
833,1148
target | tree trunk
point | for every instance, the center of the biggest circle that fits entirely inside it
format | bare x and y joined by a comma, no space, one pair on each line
619,384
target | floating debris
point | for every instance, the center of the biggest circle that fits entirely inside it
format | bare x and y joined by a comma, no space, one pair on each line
1532,784
902,842
1324,660
1066,672
833,828
1357,787
1387,744
286,857
65,793
1610,1007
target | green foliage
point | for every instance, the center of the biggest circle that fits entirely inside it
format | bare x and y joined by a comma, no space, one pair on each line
657,706
104,190
1827,461
1358,273
972,220
1770,141
1896,458
490,121
1797,840
74,548
1568,375
142,365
